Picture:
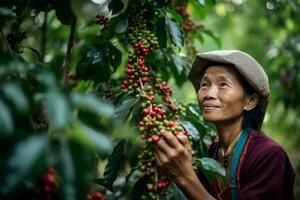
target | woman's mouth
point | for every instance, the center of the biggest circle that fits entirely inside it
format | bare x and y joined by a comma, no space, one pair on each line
209,107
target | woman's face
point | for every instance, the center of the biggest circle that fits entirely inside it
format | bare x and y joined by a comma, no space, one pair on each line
221,95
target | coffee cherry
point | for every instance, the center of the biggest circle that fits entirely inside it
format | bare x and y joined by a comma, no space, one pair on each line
151,98
149,187
141,123
50,179
153,114
144,79
145,111
171,123
144,69
155,139
88,197
150,124
135,85
140,63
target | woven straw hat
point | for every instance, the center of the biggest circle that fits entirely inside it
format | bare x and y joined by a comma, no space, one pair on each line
246,65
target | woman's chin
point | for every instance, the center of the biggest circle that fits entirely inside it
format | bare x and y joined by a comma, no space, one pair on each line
211,118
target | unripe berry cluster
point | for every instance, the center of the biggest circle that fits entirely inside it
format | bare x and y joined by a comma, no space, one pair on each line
142,82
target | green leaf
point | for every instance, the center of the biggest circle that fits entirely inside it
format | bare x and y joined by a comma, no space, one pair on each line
191,128
87,9
115,161
38,5
198,11
92,103
178,69
99,59
25,157
115,56
124,108
116,6
210,168
198,144
15,94
63,11
122,26
97,55
139,188
68,171
217,40
201,2
161,32
177,193
90,138
58,111
160,62
6,120
44,77
193,109
179,65
5,15
11,65
133,169
175,33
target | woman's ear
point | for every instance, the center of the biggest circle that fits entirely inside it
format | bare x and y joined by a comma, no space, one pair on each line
251,101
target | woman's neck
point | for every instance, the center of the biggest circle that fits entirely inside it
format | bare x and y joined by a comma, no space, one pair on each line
228,131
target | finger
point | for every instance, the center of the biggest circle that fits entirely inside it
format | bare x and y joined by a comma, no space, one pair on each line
157,158
163,147
161,159
171,139
183,139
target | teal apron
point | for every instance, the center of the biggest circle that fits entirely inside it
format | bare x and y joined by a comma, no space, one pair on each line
232,179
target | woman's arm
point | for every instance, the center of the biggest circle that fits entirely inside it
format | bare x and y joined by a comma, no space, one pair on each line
174,160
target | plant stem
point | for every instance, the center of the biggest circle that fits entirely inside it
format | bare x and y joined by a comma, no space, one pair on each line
44,37
69,51
6,42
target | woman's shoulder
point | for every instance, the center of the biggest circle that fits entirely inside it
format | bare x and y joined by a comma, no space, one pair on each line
266,170
261,144
264,152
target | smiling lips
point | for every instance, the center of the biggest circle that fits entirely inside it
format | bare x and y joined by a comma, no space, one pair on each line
209,106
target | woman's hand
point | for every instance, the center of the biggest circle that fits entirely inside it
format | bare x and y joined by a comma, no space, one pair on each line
174,156
174,160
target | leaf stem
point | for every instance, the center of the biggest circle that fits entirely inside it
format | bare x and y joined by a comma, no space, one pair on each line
44,36
69,51
6,42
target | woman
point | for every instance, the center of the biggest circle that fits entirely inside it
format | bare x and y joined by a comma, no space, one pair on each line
233,91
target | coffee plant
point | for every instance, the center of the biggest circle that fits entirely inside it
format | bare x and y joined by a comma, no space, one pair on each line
85,96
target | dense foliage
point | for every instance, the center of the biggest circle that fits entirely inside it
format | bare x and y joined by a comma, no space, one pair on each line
84,85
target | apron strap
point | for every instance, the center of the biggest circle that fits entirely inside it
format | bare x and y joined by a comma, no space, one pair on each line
232,180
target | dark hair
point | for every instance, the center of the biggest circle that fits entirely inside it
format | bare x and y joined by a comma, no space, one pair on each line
251,119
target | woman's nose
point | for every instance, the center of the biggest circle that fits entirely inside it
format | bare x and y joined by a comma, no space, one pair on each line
211,92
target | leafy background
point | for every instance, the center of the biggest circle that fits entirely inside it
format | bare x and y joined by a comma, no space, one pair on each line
46,122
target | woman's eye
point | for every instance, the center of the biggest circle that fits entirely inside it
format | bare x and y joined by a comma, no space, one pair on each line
223,84
204,84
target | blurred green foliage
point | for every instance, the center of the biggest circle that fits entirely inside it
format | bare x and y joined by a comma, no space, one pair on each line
60,100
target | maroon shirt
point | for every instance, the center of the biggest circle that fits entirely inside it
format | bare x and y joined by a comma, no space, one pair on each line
265,172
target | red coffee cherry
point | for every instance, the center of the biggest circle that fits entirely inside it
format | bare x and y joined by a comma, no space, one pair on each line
155,138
